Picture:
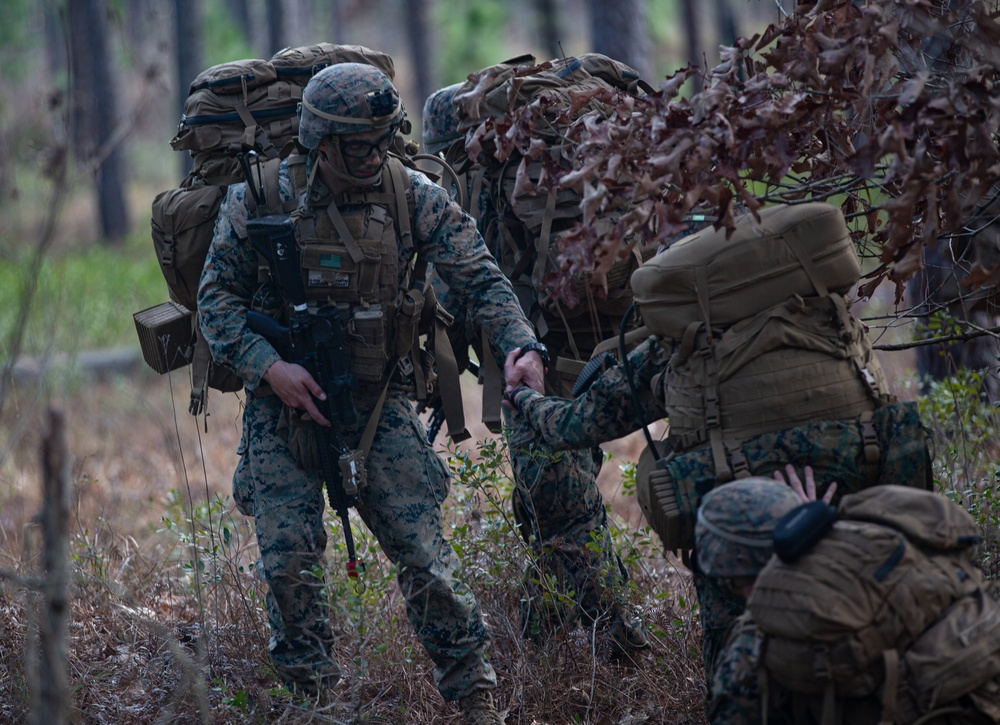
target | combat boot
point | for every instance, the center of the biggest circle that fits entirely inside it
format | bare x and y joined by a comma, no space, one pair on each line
628,633
478,709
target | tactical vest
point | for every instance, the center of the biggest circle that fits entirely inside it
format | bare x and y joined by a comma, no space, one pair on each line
356,252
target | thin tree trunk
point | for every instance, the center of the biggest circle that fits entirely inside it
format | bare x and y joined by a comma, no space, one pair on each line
239,11
548,26
275,26
725,22
619,31
188,54
111,164
95,104
420,52
339,21
82,94
695,55
52,707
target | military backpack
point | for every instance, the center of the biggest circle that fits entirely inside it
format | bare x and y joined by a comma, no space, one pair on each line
524,225
888,605
768,366
239,118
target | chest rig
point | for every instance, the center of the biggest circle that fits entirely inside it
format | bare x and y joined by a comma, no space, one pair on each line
357,253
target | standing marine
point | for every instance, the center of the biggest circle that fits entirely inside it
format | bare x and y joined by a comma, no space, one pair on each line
349,196
556,501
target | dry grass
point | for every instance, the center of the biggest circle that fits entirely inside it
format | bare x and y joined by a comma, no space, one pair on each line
154,639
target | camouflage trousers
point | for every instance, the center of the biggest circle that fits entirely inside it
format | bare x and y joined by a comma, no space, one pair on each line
400,504
561,514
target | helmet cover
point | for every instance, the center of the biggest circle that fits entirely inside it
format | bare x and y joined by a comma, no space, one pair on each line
735,524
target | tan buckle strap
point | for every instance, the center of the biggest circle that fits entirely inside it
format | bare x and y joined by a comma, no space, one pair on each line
869,441
492,380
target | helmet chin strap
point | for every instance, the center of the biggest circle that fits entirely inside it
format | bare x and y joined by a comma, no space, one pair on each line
338,167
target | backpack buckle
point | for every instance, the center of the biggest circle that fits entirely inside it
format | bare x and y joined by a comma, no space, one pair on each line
711,411
167,255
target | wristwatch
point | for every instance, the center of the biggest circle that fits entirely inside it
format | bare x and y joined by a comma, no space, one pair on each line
538,347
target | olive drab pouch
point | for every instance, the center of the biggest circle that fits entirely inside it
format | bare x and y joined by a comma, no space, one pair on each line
888,445
332,272
887,604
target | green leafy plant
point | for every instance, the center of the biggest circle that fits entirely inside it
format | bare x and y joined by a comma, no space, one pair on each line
965,429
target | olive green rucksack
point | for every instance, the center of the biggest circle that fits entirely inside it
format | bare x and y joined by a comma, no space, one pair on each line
887,605
768,361
231,109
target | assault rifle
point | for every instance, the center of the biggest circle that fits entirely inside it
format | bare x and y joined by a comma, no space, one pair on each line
314,341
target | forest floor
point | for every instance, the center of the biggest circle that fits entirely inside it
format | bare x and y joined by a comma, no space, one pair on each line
167,619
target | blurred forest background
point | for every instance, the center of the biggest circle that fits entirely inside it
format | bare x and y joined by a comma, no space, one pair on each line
104,80
166,618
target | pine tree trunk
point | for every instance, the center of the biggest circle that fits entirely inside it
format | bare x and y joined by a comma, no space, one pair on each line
188,52
619,31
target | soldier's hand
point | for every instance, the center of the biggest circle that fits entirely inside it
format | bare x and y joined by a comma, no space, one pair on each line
808,493
529,370
296,388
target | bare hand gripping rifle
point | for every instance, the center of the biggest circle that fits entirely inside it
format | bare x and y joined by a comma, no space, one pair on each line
314,341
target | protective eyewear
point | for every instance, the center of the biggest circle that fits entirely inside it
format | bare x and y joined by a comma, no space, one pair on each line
358,149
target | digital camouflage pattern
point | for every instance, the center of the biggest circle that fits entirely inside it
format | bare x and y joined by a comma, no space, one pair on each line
734,685
606,411
735,524
440,124
407,481
556,501
561,513
344,99
730,517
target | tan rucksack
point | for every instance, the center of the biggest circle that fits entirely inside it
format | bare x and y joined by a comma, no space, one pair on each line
529,226
231,109
766,357
718,278
888,604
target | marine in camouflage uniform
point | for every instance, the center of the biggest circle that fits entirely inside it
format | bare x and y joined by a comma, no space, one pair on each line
556,501
406,480
733,536
609,410
733,543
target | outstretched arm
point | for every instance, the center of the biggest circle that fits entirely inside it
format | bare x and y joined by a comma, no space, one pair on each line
606,411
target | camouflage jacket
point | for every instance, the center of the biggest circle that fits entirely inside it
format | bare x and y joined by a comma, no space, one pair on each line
442,233
607,410
734,687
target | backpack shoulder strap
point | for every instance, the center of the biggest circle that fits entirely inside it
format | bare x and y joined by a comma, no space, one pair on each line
396,183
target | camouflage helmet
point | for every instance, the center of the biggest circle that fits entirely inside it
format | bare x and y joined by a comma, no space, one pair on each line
735,522
440,124
347,98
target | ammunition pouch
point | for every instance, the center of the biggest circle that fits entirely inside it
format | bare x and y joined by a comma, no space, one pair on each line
366,348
